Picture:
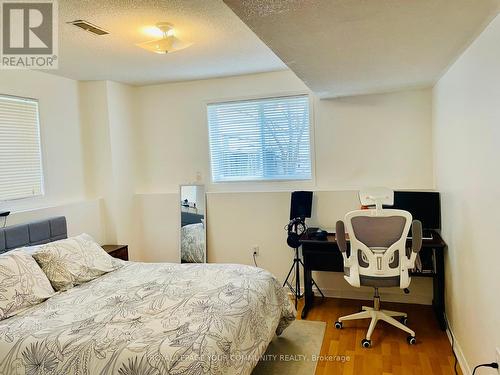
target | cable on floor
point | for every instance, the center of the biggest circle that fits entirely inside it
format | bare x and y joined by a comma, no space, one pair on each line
452,345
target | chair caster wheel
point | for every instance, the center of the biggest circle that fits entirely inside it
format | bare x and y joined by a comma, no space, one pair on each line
411,340
338,325
366,343
404,321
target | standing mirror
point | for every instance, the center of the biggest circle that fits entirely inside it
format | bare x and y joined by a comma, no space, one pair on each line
193,247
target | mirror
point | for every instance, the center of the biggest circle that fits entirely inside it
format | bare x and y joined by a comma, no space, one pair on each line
193,248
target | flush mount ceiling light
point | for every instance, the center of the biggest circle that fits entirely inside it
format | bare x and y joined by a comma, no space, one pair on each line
167,43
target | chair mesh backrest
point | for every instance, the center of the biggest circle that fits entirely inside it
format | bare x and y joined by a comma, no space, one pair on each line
378,231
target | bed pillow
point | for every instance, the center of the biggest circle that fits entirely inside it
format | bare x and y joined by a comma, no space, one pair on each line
73,261
29,249
22,283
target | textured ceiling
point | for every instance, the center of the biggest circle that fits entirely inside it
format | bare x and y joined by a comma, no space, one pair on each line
222,44
347,47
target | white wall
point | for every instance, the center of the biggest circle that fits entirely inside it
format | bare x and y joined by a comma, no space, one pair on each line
62,154
467,152
60,133
130,148
108,127
347,133
114,156
374,140
238,221
85,216
366,140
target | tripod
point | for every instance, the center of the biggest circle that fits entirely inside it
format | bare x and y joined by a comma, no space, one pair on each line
293,239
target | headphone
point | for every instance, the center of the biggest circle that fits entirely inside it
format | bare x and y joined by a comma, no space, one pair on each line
295,228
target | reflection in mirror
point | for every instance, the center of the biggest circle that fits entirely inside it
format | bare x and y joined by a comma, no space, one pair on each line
193,224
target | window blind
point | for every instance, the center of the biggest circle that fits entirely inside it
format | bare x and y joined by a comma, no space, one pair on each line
20,156
263,139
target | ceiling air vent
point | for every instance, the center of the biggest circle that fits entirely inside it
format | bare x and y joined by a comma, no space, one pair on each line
87,26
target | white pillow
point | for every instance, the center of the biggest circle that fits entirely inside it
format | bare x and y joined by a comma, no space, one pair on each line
28,249
73,261
22,283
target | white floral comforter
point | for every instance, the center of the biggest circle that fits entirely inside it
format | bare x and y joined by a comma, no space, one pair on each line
193,243
148,319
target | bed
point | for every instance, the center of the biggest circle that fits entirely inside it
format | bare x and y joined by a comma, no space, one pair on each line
193,244
144,318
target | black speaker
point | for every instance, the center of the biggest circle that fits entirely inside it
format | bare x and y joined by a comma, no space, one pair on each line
301,204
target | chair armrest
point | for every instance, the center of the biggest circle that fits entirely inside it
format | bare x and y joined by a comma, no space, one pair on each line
416,235
340,236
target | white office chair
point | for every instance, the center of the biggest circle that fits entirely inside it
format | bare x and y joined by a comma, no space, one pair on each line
378,257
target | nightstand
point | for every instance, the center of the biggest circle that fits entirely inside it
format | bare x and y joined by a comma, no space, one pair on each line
117,251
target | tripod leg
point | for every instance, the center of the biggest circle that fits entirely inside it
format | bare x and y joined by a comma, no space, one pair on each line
297,278
289,273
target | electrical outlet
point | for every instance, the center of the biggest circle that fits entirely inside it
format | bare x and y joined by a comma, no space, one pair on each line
255,250
498,360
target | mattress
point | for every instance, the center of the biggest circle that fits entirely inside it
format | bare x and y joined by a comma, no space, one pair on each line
151,319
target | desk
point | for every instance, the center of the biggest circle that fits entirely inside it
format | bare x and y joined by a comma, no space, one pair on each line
324,255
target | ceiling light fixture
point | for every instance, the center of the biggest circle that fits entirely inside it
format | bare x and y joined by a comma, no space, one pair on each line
167,43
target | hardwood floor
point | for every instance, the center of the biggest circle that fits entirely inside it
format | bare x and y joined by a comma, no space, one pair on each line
390,354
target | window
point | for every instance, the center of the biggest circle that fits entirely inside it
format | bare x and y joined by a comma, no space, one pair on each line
264,139
20,156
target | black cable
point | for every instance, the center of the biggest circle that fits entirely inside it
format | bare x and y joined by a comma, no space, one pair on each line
492,365
452,345
254,261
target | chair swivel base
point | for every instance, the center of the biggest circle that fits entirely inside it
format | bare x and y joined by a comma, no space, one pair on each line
376,315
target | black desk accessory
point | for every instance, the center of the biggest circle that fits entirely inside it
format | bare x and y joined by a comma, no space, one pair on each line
300,208
319,235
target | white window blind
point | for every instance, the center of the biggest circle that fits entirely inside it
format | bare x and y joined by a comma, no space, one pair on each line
264,139
20,156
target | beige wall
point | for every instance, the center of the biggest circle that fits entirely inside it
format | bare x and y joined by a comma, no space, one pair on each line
347,133
467,152
238,221
367,140
130,148
114,156
60,133
62,154
109,138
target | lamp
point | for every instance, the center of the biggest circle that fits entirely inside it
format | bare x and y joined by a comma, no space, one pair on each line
167,43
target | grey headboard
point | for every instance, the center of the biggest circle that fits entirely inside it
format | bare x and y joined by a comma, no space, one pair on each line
34,233
190,218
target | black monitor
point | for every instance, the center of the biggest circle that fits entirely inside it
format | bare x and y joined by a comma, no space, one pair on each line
423,206
301,204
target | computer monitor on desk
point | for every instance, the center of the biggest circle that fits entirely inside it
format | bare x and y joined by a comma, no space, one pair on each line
423,206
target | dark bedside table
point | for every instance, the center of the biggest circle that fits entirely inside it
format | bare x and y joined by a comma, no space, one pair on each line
117,251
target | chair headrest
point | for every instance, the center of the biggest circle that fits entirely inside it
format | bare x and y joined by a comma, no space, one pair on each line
377,196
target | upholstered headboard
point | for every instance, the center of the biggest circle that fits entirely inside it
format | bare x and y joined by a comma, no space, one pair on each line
190,218
34,233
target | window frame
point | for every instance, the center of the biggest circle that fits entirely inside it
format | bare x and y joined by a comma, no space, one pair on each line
312,153
5,202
